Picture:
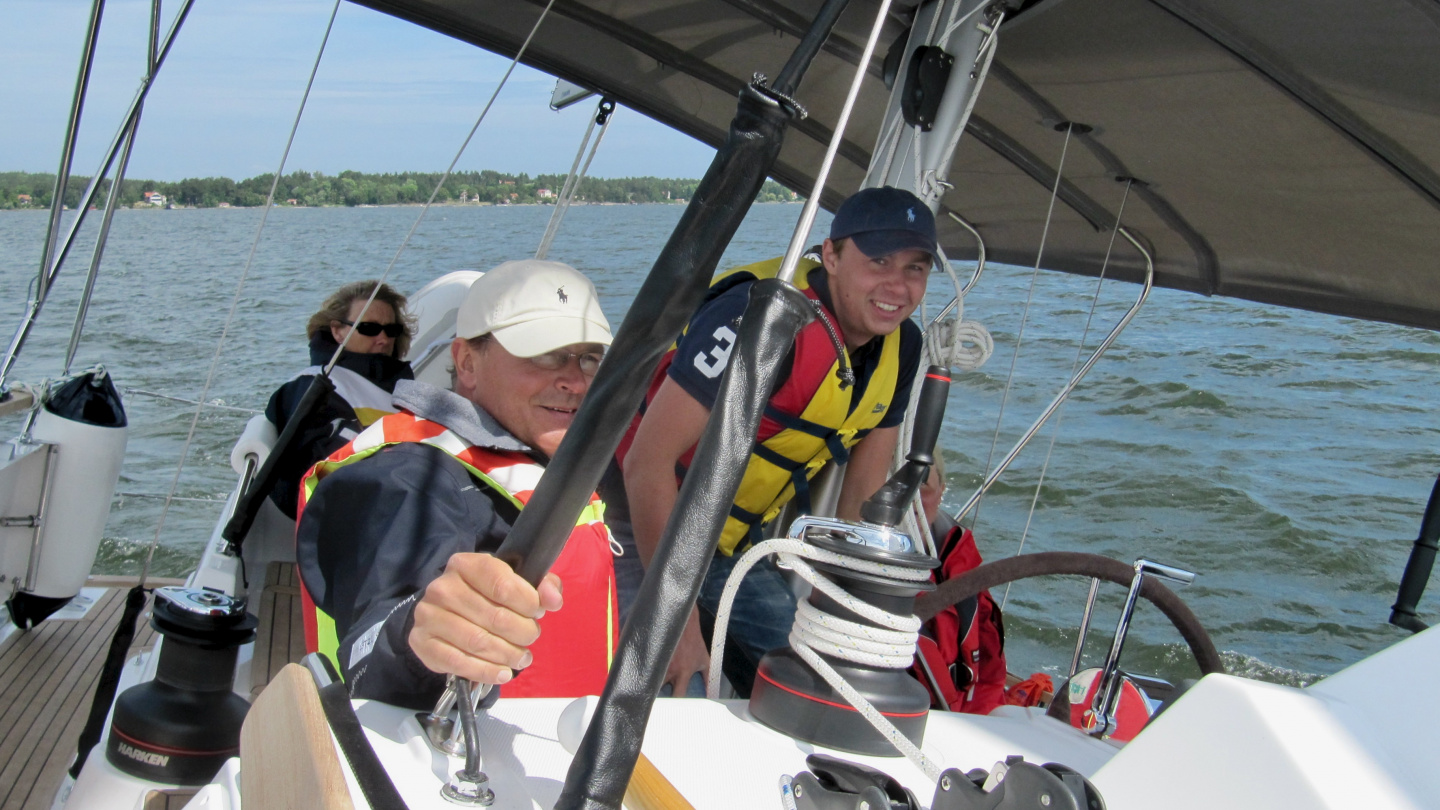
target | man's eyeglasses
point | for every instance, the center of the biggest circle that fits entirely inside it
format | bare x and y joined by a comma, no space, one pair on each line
373,329
558,359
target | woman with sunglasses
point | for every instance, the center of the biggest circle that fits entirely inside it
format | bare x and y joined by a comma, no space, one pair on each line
376,338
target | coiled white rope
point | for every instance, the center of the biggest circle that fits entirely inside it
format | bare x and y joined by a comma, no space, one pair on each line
952,343
814,632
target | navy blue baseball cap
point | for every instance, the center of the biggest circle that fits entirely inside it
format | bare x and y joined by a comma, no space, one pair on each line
883,220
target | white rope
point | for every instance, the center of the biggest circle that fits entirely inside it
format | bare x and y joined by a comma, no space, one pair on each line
891,646
952,343
235,301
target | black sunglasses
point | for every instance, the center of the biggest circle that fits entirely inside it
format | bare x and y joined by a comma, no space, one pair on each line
372,329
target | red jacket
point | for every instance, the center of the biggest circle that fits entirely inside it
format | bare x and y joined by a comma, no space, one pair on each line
963,645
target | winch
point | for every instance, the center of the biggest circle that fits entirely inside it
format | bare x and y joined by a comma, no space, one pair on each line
858,622
182,726
791,697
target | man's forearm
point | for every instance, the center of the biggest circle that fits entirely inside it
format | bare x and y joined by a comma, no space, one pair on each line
652,497
868,468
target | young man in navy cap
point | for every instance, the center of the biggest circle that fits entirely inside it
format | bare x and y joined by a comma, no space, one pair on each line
842,393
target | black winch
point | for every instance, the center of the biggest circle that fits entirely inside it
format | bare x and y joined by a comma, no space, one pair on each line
181,727
792,698
789,695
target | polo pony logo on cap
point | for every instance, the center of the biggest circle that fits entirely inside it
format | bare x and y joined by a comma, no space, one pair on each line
909,214
560,293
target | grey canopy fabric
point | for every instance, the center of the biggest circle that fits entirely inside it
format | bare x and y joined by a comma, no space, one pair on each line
1284,151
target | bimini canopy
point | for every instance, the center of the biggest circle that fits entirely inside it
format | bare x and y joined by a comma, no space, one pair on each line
1286,151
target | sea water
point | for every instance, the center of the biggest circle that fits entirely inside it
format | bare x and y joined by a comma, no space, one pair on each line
1283,456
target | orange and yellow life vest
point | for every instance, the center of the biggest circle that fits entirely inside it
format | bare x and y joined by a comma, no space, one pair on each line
792,447
577,643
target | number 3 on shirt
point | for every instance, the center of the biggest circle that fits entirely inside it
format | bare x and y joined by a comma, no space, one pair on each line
725,342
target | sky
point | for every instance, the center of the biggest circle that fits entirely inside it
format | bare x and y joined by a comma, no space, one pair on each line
389,97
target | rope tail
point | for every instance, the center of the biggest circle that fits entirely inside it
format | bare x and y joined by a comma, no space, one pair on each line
109,677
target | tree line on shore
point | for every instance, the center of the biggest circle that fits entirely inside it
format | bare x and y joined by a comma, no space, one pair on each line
35,190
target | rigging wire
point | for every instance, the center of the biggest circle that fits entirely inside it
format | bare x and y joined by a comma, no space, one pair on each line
1074,364
812,203
335,358
1025,314
604,112
213,404
268,203
101,238
235,300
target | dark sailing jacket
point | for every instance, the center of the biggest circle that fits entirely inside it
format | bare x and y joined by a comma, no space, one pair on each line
363,384
374,533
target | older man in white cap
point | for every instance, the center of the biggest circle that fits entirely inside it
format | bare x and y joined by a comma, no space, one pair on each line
395,529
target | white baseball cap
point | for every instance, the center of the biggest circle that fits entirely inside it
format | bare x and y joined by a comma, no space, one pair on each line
533,307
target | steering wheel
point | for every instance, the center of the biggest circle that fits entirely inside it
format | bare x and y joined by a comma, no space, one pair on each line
1047,563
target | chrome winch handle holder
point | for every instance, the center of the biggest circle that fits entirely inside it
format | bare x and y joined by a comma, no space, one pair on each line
1100,716
869,535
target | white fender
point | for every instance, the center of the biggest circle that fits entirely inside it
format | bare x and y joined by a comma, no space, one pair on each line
81,486
434,308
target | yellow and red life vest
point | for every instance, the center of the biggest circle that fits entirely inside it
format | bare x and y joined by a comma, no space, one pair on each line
577,643
795,442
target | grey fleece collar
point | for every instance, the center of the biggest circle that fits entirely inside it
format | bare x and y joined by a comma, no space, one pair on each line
463,417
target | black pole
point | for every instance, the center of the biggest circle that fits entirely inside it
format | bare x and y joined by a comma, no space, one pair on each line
789,79
1417,570
600,771
247,506
675,287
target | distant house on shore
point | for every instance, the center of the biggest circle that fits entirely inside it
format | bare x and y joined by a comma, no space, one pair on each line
507,182
154,198
223,205
544,193
23,199
292,201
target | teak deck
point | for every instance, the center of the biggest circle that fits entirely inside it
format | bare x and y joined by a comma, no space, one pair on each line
280,638
48,676
47,680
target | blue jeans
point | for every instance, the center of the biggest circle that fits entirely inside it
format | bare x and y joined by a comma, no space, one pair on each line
629,573
760,616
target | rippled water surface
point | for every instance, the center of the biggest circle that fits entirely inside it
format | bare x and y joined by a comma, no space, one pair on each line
1282,455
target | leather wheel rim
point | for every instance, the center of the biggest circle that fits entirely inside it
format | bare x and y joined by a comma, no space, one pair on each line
1074,563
